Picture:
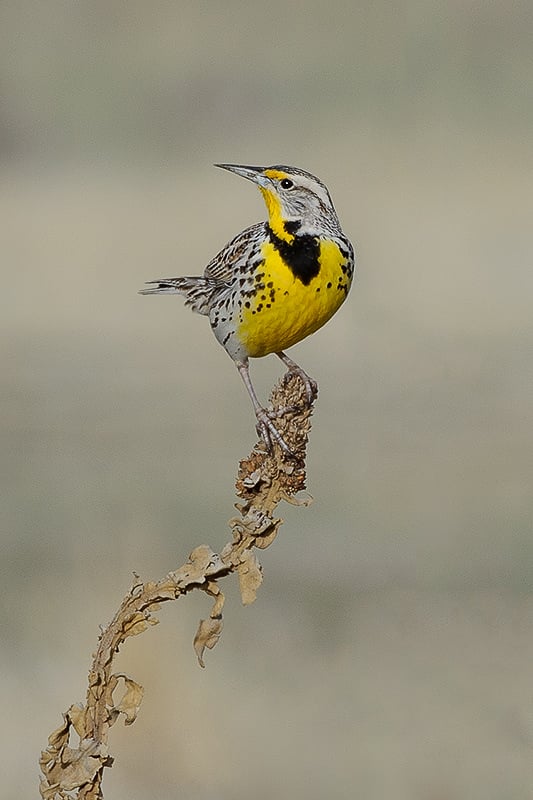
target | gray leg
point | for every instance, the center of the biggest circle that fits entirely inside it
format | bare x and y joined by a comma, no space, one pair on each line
265,426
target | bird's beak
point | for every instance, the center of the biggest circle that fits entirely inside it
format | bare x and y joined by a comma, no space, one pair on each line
254,174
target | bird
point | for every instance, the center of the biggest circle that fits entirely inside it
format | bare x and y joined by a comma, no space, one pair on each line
276,282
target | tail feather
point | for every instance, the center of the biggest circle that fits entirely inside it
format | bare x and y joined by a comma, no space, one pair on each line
160,287
197,291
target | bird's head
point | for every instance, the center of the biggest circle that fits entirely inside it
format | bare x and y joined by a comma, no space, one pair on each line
297,202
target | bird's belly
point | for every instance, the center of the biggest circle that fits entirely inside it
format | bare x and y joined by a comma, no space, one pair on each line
282,310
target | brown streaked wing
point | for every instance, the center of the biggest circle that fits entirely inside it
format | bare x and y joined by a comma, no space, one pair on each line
225,266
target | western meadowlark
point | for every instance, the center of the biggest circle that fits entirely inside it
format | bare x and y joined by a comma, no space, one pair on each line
277,281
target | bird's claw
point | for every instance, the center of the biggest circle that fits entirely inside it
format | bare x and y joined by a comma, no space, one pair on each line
311,386
269,433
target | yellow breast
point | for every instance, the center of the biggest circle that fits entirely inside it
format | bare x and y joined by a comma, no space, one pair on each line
284,310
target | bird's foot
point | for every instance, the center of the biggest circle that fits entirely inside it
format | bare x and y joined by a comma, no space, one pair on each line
311,386
311,391
268,431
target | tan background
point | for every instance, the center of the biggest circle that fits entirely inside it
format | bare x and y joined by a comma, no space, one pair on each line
389,652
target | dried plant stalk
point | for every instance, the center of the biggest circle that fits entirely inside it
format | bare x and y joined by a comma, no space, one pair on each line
264,479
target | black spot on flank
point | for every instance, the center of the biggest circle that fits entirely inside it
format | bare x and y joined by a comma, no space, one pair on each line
270,284
247,304
263,297
268,305
329,285
285,293
301,255
318,289
259,307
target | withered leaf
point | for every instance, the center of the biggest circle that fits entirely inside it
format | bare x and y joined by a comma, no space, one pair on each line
216,592
78,715
77,766
59,737
131,699
207,635
250,577
136,624
266,539
194,571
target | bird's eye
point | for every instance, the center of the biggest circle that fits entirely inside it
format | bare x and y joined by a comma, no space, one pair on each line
286,184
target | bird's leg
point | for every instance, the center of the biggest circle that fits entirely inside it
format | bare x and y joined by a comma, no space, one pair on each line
311,387
265,427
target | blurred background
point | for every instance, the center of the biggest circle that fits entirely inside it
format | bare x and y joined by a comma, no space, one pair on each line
389,651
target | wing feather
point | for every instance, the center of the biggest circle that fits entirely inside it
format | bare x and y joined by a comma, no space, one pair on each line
227,265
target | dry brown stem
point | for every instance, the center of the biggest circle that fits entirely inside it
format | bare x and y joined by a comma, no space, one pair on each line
264,479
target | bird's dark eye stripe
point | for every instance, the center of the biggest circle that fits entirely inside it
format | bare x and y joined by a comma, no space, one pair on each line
286,183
